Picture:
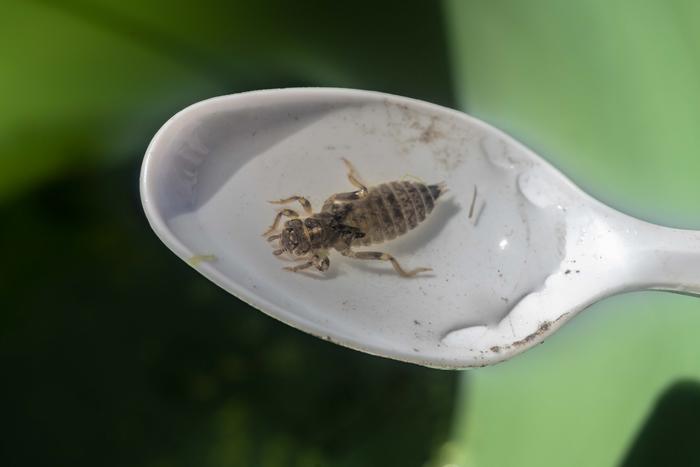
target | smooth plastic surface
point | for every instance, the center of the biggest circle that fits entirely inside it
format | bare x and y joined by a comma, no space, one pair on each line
511,264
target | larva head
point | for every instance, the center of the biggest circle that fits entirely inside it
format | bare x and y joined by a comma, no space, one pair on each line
294,238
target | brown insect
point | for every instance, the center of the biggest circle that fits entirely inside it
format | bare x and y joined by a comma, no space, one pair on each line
358,218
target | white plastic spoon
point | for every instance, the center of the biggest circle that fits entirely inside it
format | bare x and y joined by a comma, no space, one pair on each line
516,249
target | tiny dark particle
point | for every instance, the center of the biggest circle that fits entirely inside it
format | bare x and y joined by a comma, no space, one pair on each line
568,271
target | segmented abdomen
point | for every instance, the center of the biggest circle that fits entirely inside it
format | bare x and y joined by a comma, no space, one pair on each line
392,209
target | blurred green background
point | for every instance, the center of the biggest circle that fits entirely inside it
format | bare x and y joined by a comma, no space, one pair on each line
115,353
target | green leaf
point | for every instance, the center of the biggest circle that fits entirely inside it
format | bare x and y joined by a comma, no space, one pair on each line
610,93
89,82
112,348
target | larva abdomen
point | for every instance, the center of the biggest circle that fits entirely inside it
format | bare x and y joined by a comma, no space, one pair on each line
392,209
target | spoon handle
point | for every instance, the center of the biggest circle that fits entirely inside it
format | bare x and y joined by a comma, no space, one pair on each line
667,259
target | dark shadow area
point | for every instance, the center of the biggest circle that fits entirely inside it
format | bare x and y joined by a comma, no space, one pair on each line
114,352
671,433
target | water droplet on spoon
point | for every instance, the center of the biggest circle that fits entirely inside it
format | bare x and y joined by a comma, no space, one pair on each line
525,252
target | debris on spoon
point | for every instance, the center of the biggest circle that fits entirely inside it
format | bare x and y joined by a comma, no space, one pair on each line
196,260
471,206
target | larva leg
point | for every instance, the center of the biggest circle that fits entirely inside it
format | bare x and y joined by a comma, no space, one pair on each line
350,196
283,212
383,257
355,178
303,201
319,262
322,263
299,267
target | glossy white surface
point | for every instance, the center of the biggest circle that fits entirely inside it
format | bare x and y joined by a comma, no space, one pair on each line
534,251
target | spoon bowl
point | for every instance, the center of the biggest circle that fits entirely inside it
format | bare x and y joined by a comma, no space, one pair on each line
516,248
